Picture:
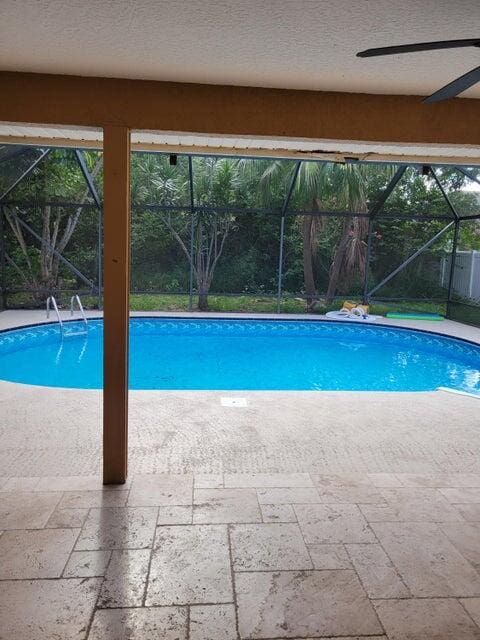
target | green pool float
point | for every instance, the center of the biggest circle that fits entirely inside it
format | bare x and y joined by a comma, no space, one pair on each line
414,316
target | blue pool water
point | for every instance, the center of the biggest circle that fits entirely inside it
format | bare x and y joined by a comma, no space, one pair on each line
246,354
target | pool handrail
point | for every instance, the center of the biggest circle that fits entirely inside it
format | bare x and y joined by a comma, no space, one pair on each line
76,299
51,301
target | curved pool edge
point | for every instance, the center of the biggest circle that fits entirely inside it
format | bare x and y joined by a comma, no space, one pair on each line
241,393
391,324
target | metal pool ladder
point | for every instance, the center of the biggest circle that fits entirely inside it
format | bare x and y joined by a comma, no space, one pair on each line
52,303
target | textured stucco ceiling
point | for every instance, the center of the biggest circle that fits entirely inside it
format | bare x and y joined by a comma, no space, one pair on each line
301,44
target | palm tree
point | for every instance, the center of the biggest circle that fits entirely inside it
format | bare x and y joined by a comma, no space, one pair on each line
320,186
350,183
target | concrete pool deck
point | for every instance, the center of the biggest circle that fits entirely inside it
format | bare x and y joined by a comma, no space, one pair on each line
300,515
45,429
48,430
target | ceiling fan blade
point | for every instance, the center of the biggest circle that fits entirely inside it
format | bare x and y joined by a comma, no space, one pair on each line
455,87
419,46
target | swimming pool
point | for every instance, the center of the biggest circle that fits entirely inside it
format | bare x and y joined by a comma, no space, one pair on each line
246,355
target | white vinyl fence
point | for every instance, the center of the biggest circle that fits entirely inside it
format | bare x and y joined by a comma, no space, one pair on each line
466,279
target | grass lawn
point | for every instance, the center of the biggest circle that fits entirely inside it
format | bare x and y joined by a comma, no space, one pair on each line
465,313
253,304
226,304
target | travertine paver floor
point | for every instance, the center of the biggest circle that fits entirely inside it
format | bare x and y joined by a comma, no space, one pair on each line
238,556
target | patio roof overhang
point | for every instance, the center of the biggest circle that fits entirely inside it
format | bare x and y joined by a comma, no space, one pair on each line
71,110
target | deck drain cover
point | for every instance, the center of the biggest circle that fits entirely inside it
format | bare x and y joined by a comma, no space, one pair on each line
233,402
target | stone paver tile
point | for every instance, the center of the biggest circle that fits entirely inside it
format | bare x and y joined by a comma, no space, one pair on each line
278,513
472,605
465,495
3,481
470,512
160,490
89,499
268,547
67,519
165,623
20,484
226,506
47,609
268,480
329,556
350,495
125,579
213,622
26,510
427,561
74,483
175,515
426,619
340,523
87,564
118,528
410,512
440,480
341,479
35,554
208,481
356,480
411,505
293,495
348,638
413,494
309,603
466,538
377,573
190,565
384,480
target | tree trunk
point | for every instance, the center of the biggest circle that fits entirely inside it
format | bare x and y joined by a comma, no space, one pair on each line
350,256
203,301
308,275
336,268
209,242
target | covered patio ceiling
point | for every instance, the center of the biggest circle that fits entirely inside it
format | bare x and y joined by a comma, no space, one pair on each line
309,45
255,54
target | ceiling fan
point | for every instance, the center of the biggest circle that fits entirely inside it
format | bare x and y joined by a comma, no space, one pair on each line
451,89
